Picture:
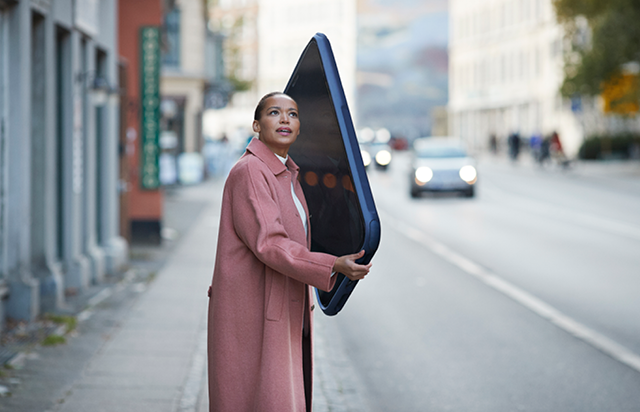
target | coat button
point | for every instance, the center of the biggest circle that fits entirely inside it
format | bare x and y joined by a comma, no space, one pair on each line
313,307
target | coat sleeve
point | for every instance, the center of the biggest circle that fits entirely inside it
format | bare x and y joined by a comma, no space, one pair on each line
257,220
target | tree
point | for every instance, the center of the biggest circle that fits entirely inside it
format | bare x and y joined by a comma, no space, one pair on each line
603,39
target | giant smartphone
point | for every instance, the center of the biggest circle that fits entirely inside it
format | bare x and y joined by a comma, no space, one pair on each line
343,214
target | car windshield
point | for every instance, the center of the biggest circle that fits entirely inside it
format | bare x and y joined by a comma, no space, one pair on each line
440,152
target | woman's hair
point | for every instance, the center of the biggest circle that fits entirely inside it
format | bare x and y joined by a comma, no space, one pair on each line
263,102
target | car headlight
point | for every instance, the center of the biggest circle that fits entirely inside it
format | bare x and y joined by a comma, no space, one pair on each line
469,174
383,157
366,158
423,175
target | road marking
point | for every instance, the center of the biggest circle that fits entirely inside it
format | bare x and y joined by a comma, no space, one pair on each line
529,301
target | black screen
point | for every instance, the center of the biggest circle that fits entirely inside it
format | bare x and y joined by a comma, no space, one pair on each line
337,224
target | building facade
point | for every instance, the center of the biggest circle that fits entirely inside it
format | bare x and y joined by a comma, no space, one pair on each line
59,106
506,68
237,24
140,76
260,53
183,82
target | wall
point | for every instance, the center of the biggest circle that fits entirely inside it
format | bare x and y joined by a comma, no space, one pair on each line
187,80
144,206
58,217
506,66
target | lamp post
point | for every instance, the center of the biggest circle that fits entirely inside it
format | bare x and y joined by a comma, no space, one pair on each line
99,88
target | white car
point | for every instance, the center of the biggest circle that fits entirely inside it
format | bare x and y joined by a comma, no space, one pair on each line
442,164
377,153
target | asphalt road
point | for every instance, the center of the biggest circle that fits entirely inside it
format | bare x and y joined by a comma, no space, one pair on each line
524,298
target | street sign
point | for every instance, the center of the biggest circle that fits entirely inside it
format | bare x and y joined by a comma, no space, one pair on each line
150,107
620,94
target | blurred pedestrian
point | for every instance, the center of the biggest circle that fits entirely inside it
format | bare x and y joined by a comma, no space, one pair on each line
535,144
493,143
260,324
214,152
514,145
544,151
556,150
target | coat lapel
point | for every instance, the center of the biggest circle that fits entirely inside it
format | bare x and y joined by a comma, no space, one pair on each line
262,152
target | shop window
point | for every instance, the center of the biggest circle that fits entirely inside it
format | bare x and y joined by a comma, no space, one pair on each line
171,38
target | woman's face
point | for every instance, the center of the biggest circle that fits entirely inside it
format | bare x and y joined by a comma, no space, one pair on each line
279,124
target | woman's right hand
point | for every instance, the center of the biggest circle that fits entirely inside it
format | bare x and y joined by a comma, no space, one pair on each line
347,266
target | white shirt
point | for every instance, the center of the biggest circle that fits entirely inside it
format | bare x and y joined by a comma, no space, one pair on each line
301,212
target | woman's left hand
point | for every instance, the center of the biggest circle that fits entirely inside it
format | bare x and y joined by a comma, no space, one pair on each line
347,266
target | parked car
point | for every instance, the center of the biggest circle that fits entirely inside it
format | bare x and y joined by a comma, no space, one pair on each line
442,164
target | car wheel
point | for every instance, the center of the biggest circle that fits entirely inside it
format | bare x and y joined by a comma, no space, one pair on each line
470,192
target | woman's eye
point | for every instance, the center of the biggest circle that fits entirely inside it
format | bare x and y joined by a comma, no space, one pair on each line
273,112
293,114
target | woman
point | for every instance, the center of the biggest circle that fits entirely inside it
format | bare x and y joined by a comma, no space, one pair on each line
260,321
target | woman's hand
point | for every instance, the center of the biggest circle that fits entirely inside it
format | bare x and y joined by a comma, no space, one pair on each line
347,266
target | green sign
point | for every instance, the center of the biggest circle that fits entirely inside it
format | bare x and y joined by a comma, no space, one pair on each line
149,106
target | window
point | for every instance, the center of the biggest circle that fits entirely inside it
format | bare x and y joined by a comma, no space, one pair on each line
38,133
171,38
3,62
98,160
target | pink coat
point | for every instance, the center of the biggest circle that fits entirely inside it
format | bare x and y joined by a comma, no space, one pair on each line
260,295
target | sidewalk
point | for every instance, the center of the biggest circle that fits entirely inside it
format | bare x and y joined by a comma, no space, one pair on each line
156,359
140,342
140,345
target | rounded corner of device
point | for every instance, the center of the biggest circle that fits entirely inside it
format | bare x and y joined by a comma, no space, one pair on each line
319,36
340,297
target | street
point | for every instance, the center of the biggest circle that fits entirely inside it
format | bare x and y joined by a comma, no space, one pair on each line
523,298
120,121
